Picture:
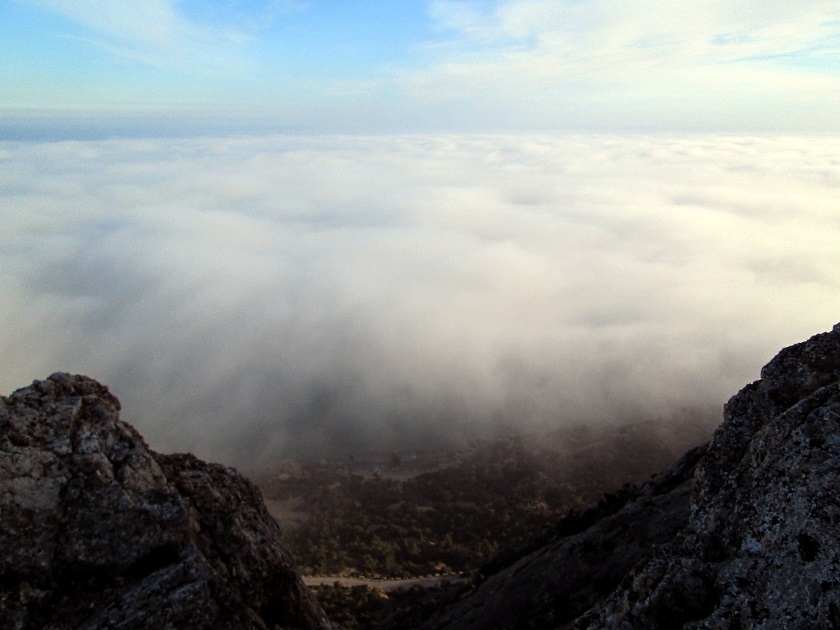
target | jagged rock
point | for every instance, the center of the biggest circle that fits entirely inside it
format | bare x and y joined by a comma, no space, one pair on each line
98,531
762,547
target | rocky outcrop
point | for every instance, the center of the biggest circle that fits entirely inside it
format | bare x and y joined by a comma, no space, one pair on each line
98,531
762,546
754,542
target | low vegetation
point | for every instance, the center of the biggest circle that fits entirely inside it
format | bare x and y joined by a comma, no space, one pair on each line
410,515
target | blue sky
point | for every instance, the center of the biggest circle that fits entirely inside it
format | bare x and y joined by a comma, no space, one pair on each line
419,65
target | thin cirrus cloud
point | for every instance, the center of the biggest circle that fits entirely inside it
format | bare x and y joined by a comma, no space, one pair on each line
714,31
256,297
155,23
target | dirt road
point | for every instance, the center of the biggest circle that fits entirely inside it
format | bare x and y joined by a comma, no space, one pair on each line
383,585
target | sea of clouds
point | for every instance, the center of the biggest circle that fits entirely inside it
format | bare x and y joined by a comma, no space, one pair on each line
248,298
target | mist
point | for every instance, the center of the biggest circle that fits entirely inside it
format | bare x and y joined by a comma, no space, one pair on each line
251,298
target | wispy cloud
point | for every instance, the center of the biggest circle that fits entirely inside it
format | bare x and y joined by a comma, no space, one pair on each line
717,30
462,65
154,22
253,297
668,57
154,32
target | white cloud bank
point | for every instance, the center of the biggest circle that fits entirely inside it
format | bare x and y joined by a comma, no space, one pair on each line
247,297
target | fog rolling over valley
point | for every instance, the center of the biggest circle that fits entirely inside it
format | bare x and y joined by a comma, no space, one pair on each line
248,298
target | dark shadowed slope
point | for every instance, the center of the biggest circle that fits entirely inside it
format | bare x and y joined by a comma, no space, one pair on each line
97,531
566,570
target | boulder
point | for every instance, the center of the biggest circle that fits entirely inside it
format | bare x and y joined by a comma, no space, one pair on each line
99,531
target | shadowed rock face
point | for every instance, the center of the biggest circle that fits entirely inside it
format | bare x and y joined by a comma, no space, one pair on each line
97,531
754,543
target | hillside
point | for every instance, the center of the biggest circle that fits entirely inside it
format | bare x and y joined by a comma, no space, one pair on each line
741,535
97,530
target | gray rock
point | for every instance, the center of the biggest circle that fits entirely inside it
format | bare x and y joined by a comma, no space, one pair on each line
98,531
762,548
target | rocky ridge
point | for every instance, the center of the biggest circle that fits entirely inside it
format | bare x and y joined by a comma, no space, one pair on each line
99,531
761,547
742,533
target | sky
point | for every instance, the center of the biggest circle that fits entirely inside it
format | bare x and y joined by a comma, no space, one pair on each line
297,228
170,67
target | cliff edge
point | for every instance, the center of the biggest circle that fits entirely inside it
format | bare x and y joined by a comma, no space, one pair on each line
98,531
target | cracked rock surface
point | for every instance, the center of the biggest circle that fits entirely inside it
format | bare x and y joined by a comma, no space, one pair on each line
98,531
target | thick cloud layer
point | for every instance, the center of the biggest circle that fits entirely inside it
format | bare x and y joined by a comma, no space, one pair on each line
247,298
